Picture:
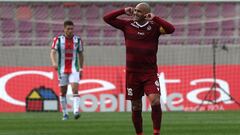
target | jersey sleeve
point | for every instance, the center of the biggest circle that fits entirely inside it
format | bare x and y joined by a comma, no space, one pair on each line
111,18
168,27
80,45
54,43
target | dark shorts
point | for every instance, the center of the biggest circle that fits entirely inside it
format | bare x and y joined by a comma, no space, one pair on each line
139,83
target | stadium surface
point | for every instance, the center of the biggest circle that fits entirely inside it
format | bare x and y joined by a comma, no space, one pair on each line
174,123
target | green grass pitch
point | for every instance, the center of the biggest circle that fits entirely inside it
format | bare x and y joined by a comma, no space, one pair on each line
174,123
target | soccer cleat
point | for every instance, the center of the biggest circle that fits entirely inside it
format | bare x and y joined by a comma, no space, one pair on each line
76,115
65,117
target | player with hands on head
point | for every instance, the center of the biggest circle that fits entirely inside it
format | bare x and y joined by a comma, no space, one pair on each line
141,39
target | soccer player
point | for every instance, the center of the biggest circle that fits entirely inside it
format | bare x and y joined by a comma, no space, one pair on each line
141,39
70,63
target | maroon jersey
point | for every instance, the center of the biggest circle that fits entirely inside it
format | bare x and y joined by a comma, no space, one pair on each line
141,46
141,42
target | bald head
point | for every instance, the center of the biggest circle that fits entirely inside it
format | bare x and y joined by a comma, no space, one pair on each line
144,7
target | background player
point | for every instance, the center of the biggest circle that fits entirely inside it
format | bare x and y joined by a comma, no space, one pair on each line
141,39
70,62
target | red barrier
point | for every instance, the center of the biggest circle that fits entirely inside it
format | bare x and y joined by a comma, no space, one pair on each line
182,87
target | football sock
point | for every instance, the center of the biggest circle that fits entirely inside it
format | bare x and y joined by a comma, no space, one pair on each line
156,118
137,121
156,132
76,102
63,101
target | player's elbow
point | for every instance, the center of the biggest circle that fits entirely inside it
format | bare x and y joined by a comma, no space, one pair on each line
105,18
108,18
167,30
171,30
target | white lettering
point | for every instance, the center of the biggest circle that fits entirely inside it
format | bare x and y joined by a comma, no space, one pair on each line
105,97
90,98
193,95
3,81
106,86
163,82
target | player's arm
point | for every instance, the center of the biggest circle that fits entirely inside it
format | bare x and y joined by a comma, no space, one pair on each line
80,58
111,18
165,27
53,53
53,58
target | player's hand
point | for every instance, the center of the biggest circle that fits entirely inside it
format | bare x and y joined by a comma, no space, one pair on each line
149,16
129,11
55,66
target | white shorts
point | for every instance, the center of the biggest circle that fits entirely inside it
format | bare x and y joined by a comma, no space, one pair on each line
65,79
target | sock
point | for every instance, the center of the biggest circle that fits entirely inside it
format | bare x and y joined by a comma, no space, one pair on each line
137,121
156,118
63,101
76,102
156,132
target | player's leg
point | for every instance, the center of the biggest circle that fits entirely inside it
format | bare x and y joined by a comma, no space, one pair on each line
137,116
134,92
152,89
156,113
63,101
63,81
74,80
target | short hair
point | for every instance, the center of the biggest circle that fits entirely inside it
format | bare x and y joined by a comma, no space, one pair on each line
68,22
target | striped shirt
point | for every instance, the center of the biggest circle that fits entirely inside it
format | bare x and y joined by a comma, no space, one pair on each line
68,50
141,42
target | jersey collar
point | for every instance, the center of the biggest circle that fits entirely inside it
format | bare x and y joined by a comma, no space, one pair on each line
139,25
